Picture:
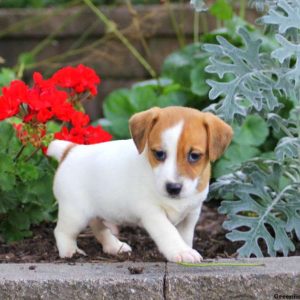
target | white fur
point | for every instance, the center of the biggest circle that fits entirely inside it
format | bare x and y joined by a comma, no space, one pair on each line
111,182
167,171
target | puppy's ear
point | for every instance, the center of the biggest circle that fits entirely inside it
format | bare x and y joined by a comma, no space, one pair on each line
140,125
219,135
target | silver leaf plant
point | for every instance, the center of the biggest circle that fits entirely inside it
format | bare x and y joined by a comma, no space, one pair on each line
262,196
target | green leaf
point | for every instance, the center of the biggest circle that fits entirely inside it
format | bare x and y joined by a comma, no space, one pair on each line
143,98
254,131
7,133
198,79
6,76
173,99
233,157
178,65
7,181
162,82
26,58
118,109
27,171
221,10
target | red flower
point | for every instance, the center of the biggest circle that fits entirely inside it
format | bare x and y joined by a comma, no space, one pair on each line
86,135
74,135
8,108
46,101
41,83
80,78
79,119
16,92
94,135
13,95
44,115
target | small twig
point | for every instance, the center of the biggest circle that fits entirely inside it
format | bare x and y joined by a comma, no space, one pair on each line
112,27
222,264
176,27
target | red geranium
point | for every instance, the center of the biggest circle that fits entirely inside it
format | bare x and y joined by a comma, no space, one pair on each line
46,101
80,78
12,96
84,135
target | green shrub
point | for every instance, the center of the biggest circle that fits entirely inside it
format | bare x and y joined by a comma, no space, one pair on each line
25,186
263,194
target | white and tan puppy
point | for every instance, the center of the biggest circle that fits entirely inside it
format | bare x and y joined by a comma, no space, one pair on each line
157,180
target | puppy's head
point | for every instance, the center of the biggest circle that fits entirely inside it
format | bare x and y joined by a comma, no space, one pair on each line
180,143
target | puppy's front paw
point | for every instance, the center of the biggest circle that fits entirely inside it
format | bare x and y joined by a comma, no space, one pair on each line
189,256
117,248
68,253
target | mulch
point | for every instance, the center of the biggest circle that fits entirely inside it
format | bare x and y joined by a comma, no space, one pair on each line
209,240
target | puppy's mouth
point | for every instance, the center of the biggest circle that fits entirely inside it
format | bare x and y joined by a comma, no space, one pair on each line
174,197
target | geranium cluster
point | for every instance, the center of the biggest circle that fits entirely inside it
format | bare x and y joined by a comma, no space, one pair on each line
56,99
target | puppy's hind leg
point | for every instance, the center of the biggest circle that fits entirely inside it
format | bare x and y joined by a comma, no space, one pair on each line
110,243
67,229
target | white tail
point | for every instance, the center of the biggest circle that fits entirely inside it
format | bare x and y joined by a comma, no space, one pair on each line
57,148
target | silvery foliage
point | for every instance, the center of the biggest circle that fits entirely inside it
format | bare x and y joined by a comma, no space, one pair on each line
262,196
199,5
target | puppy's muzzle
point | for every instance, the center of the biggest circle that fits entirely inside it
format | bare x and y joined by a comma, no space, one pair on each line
173,189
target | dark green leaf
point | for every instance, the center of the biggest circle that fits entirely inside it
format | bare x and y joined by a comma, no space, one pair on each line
221,10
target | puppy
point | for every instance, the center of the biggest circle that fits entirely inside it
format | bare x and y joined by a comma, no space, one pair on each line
157,180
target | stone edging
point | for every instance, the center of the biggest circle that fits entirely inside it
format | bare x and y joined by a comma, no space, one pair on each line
280,277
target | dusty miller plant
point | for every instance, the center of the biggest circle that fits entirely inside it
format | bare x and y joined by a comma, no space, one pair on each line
262,196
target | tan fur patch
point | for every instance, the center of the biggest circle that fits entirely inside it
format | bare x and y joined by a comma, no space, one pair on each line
202,132
67,151
205,177
193,137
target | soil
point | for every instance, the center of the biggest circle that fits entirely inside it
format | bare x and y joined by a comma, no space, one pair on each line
209,240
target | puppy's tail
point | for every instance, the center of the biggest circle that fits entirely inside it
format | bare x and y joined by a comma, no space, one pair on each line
59,149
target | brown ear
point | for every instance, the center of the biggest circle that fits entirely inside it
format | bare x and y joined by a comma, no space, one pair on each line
140,125
219,135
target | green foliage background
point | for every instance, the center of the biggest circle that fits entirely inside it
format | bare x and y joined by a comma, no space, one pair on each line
25,187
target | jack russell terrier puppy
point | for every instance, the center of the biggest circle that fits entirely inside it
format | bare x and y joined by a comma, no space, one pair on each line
157,180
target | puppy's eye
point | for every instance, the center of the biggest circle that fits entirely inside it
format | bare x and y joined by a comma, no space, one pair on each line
160,155
194,157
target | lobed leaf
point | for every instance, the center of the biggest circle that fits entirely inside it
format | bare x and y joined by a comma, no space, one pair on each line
254,205
252,85
285,15
288,147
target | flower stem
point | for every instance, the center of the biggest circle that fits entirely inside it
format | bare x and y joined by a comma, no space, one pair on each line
19,153
32,154
196,27
242,9
112,27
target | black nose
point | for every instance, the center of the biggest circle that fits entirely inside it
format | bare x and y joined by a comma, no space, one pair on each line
173,189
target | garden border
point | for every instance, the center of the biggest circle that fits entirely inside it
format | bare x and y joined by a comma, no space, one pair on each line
279,278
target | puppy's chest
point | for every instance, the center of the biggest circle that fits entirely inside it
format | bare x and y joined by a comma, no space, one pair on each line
177,212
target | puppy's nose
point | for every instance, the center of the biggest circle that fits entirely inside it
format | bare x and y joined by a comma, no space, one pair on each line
173,189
